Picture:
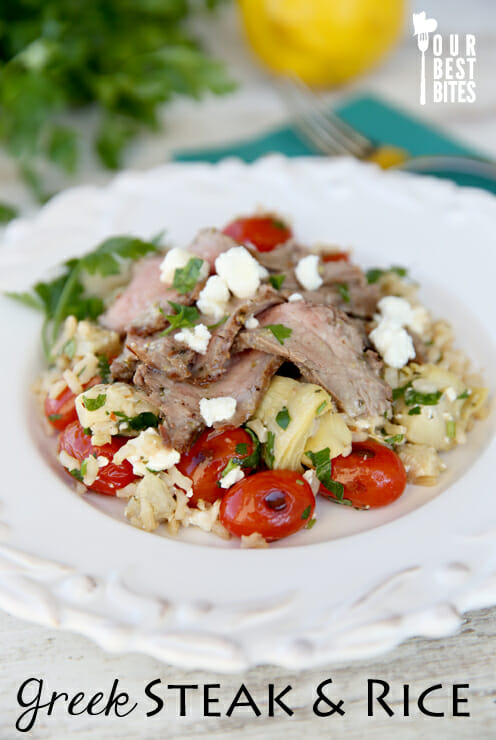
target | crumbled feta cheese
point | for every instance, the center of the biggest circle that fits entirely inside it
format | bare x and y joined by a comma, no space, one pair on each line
395,310
214,297
147,452
251,322
240,271
393,343
295,297
232,477
451,394
175,259
307,272
221,408
311,478
263,273
420,320
196,338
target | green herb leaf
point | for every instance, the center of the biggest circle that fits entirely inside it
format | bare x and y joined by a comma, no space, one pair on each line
185,316
415,411
233,463
253,460
375,273
396,439
463,395
283,418
321,460
451,429
93,404
278,224
320,408
413,397
141,421
268,450
310,523
242,448
61,148
185,278
344,292
69,348
306,512
76,474
54,417
104,368
223,320
280,332
28,299
277,280
400,271
7,213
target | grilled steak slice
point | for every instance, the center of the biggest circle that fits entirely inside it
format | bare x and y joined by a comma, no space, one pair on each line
162,352
209,243
124,366
246,379
328,349
281,259
355,299
211,366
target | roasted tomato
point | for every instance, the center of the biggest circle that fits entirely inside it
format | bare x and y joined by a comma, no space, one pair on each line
372,475
264,232
336,257
208,458
61,411
274,503
112,477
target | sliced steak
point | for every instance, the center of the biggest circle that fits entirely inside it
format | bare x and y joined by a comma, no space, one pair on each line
281,259
357,300
328,349
124,366
209,243
163,353
246,379
212,365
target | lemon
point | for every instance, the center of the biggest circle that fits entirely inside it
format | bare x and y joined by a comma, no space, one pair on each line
324,42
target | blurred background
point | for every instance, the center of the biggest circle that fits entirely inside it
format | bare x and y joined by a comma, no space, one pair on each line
89,87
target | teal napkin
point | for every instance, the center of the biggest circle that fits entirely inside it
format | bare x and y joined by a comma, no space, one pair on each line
376,119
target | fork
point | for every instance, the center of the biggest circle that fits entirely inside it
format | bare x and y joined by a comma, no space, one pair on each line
423,45
326,131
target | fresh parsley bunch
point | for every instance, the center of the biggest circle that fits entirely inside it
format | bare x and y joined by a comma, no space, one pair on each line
125,57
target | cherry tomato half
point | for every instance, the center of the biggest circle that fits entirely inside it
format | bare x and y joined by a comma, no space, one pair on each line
209,456
336,257
112,477
372,475
61,411
264,232
274,503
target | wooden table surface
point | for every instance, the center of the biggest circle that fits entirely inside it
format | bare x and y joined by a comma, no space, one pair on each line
71,663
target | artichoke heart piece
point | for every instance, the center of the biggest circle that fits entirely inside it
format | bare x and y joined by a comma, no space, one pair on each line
307,405
333,432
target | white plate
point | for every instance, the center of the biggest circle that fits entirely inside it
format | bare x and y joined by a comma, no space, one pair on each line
358,582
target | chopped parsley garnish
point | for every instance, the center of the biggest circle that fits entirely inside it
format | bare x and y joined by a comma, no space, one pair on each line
54,417
277,280
104,368
66,295
241,448
310,523
252,460
278,224
375,273
185,316
7,213
93,404
84,467
139,422
320,408
280,331
344,292
76,474
283,418
415,411
451,429
268,450
413,398
223,320
306,512
323,469
299,482
69,348
465,394
233,463
396,439
185,278
87,430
